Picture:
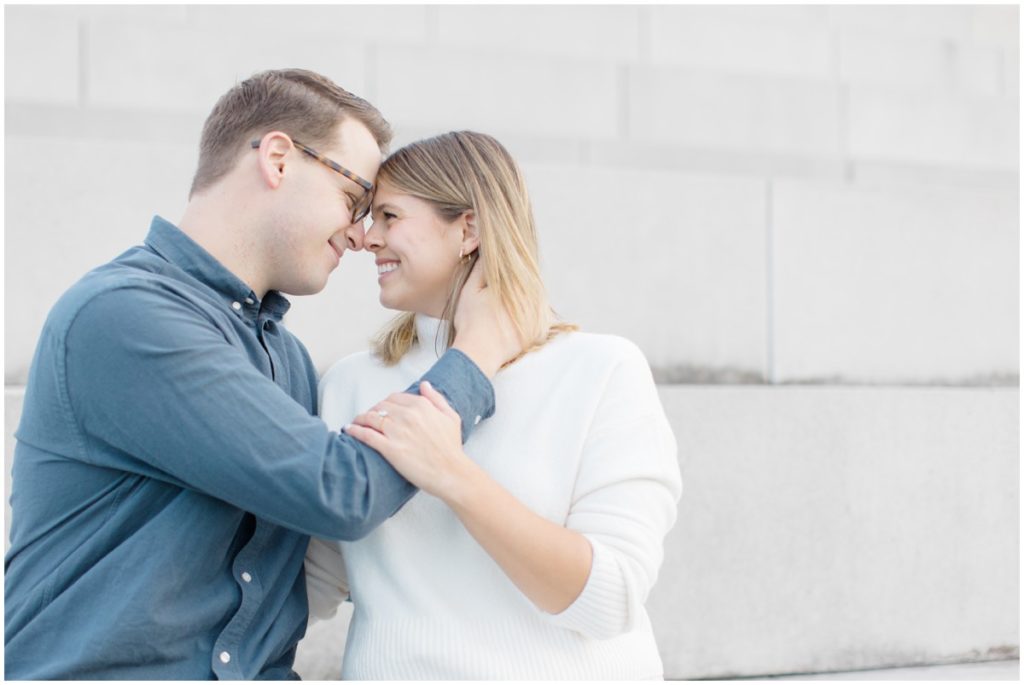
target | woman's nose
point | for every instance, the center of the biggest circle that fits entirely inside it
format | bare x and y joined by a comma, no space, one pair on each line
374,238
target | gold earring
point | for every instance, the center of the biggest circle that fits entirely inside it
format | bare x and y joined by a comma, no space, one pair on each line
460,254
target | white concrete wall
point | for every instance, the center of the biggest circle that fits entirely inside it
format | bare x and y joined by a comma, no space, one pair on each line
777,196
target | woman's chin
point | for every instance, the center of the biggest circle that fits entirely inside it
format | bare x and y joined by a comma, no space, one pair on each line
390,303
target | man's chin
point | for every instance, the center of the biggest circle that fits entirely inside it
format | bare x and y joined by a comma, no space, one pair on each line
304,289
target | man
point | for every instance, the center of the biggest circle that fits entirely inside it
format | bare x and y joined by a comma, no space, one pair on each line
170,467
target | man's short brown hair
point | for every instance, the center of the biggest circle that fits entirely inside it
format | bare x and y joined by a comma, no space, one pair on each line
303,104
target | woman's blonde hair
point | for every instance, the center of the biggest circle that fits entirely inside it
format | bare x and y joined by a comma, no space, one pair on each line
465,171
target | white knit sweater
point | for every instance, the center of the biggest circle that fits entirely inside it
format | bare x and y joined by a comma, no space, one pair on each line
580,437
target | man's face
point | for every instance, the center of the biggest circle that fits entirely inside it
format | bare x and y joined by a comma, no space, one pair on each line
314,223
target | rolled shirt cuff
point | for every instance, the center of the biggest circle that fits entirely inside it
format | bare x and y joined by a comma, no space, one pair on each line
464,385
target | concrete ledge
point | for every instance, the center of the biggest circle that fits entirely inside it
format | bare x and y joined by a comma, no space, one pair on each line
833,529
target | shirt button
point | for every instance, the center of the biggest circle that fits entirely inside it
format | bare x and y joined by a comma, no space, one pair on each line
236,306
249,300
476,420
246,577
225,657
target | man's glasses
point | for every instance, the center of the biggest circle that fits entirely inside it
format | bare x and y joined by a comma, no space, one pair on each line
361,205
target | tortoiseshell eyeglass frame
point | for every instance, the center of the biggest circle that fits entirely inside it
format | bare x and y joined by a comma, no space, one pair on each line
361,207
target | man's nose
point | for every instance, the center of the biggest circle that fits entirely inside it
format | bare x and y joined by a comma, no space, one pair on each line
354,236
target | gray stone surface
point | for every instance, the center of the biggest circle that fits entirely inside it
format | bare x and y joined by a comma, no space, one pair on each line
831,529
627,126
889,285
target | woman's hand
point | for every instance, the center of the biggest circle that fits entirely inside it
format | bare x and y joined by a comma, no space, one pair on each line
420,436
484,330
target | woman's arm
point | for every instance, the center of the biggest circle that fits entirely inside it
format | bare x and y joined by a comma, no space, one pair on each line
596,571
546,561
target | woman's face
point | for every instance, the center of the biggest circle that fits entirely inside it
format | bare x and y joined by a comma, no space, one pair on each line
417,252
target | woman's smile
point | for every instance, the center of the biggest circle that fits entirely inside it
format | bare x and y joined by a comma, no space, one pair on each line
385,268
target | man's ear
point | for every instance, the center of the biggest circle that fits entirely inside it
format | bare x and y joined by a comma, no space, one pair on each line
470,232
272,157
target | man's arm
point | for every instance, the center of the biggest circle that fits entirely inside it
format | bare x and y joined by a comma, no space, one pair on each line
150,376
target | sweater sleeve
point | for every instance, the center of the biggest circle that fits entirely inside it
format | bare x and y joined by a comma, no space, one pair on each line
624,500
326,579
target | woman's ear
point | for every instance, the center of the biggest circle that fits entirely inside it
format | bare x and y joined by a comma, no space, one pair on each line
470,232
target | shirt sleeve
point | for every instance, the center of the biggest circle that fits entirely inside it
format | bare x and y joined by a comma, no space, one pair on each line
624,501
154,377
326,578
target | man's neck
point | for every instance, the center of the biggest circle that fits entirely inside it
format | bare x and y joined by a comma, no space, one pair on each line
222,233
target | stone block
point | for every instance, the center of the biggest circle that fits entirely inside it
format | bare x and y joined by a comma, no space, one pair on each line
660,156
933,21
996,25
910,285
674,262
978,70
139,16
830,529
730,111
894,175
187,68
41,55
917,63
63,219
1011,73
603,33
497,93
898,125
679,37
337,24
101,123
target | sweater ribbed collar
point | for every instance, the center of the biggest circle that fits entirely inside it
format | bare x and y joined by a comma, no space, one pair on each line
432,334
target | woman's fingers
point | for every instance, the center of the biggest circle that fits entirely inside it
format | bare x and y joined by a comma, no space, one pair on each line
369,436
376,417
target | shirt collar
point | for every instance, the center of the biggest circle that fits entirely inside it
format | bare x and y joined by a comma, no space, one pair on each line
171,243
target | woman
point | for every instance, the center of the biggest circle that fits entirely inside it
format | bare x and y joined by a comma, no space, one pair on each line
531,555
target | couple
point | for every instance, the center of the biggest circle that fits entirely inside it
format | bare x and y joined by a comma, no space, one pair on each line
501,518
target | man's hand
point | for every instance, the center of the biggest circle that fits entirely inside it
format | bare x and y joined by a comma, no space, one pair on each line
484,329
420,436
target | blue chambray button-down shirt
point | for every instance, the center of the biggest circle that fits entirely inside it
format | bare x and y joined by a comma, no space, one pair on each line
169,470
